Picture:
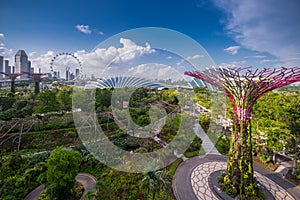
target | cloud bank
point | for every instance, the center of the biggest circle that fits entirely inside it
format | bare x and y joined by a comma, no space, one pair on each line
4,51
95,62
265,26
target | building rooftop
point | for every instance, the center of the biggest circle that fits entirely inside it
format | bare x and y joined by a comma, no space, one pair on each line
21,53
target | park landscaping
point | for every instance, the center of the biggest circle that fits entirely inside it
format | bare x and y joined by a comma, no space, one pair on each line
21,171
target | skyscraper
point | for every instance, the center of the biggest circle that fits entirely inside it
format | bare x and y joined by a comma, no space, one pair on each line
6,66
1,66
21,63
29,66
77,72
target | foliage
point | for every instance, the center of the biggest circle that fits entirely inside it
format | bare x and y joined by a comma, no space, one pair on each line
18,175
156,181
62,167
103,98
46,102
223,144
276,123
64,99
46,140
174,166
170,96
6,102
252,191
194,149
265,157
203,96
14,108
204,122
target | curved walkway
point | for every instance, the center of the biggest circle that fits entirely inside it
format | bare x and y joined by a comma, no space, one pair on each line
88,181
191,179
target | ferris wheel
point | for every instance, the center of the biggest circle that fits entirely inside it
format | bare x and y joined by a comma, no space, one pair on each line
66,66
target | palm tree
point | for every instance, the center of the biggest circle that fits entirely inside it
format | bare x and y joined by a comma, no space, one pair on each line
156,181
90,195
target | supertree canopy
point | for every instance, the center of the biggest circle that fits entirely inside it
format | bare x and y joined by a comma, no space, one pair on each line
37,78
12,77
244,86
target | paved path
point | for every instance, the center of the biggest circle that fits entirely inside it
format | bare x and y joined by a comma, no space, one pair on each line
88,181
190,180
34,195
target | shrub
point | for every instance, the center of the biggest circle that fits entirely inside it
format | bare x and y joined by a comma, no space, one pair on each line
223,144
264,157
204,122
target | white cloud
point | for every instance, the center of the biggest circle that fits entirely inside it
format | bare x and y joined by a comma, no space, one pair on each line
194,57
258,56
100,33
4,51
270,61
264,26
32,54
83,28
42,61
2,37
240,63
98,61
152,71
232,49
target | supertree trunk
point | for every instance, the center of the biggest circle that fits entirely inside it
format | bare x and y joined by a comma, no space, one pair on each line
244,87
240,165
12,86
36,87
37,78
12,78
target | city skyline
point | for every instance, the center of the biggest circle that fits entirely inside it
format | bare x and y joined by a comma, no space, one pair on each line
232,34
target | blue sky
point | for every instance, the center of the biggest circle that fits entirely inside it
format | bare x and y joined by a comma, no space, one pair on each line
234,33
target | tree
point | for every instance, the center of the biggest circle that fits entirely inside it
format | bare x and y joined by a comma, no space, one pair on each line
46,102
103,97
203,96
294,125
170,96
6,102
244,87
64,98
62,168
204,122
156,181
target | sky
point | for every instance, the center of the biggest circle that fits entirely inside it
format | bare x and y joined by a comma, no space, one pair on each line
232,32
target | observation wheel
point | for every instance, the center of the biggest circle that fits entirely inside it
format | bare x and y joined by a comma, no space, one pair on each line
66,66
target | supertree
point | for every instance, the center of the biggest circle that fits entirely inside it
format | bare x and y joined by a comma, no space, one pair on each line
244,86
12,77
37,78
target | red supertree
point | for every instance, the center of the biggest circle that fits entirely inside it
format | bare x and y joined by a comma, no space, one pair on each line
12,77
244,86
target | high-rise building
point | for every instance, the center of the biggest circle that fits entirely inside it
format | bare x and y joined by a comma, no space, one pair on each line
1,66
29,67
67,74
21,63
6,66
